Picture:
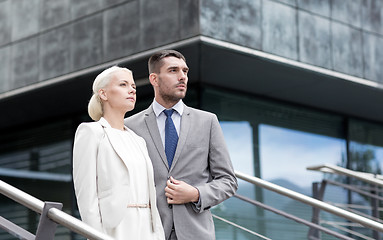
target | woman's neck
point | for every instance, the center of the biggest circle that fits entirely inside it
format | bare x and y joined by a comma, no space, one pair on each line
116,120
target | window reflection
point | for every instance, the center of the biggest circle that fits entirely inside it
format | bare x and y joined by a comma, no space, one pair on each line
239,139
285,154
366,158
276,142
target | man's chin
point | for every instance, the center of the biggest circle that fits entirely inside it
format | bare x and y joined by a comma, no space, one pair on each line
180,94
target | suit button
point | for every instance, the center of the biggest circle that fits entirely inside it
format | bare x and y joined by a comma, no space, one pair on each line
170,206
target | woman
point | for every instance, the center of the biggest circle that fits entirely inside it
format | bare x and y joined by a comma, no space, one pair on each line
112,172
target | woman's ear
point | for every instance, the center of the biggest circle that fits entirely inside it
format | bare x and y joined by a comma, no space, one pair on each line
102,94
153,78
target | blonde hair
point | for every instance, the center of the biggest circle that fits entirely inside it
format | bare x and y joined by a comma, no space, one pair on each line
95,106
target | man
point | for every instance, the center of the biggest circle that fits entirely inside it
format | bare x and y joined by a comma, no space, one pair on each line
192,167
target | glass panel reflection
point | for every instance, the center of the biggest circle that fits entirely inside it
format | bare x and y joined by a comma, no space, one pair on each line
366,155
276,142
284,156
239,138
286,153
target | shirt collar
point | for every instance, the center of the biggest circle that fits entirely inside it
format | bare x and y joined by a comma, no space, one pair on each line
158,108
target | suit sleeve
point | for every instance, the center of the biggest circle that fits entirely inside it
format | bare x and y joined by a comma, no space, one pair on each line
85,175
223,182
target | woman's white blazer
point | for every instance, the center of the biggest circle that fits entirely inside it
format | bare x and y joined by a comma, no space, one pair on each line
101,176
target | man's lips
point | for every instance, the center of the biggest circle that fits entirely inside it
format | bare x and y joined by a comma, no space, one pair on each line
181,85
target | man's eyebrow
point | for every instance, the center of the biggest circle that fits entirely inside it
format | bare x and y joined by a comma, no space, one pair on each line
171,67
176,67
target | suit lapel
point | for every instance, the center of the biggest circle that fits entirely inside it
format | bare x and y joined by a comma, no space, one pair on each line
151,124
184,131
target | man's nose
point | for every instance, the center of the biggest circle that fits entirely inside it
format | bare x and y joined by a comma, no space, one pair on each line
183,75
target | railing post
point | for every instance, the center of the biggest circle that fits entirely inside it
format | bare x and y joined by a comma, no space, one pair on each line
54,213
47,228
375,209
317,194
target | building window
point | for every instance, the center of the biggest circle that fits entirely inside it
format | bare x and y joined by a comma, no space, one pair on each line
277,142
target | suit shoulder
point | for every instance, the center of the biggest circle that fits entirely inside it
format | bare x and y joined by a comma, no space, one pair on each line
202,113
134,117
92,128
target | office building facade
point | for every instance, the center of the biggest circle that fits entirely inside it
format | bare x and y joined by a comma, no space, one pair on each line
294,83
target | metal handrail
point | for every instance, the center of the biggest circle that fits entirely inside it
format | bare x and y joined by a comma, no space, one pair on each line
311,201
366,177
349,187
54,214
292,217
240,227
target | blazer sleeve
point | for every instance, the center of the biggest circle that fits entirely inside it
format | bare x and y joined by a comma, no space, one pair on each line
85,151
223,182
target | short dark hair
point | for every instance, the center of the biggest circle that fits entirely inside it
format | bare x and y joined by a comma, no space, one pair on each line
155,61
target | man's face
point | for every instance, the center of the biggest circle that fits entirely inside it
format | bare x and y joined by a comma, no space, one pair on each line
172,79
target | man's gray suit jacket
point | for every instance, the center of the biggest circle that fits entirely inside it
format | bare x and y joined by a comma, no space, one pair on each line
201,160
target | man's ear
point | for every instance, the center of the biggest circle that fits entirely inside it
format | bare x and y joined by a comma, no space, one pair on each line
153,78
102,94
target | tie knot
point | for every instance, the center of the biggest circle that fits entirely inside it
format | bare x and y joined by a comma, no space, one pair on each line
168,112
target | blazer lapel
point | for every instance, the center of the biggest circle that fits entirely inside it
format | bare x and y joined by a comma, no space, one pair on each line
119,149
117,146
184,131
151,124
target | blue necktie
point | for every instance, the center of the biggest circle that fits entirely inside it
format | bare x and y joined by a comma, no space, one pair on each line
171,137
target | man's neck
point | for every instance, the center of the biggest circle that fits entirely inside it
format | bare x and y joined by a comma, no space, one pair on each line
166,104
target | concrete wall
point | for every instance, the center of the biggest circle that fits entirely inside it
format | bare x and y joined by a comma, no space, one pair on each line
344,36
43,39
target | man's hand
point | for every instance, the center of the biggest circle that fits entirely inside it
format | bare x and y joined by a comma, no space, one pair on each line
179,192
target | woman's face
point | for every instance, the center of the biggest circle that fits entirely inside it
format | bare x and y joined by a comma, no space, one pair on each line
120,93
